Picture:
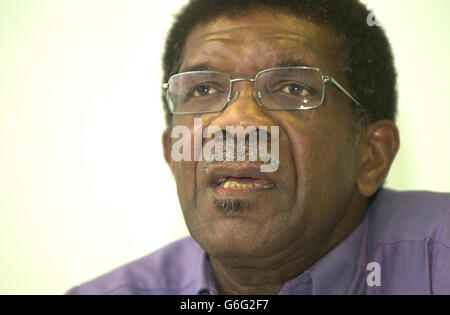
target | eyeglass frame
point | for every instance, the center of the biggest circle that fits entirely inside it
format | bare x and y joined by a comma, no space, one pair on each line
325,80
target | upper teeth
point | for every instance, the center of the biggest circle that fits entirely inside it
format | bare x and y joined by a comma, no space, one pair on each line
236,185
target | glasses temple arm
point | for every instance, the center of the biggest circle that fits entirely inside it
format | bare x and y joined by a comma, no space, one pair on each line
340,87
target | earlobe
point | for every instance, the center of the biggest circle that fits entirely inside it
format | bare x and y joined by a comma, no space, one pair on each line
167,148
378,149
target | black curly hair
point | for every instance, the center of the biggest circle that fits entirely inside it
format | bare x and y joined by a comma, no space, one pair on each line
369,63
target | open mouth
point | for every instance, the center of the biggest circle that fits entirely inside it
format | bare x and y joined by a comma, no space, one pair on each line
235,178
232,183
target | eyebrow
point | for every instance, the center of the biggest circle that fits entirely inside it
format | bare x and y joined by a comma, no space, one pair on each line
285,62
205,66
292,62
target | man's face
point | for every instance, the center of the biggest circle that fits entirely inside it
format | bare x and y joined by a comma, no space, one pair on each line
314,184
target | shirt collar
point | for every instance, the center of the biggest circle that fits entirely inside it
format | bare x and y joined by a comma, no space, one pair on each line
204,282
338,272
341,269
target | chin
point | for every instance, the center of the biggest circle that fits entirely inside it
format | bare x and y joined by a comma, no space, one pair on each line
235,245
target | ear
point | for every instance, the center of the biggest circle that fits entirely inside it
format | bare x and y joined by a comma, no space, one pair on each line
167,148
377,150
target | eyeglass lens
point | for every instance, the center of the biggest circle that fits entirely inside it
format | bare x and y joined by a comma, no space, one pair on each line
279,89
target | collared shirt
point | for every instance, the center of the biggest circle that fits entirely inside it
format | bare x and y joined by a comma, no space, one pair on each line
401,247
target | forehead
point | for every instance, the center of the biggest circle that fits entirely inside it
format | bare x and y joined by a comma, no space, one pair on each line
258,40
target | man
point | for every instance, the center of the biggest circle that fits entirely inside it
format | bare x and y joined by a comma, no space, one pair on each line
315,85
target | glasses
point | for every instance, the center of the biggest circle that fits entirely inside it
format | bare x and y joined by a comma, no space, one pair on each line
286,88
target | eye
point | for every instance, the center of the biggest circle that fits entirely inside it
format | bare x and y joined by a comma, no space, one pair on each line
203,90
295,90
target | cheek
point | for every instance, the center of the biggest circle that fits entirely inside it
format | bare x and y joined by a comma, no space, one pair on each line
186,189
323,158
326,164
184,169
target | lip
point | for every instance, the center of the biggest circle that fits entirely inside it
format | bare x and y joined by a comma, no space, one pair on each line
244,173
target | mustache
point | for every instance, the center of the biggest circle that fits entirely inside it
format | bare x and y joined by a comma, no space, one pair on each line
238,149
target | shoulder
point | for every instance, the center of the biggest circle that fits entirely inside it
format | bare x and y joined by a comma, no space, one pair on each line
409,236
165,271
410,216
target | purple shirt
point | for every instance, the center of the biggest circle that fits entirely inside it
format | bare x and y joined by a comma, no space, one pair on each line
401,247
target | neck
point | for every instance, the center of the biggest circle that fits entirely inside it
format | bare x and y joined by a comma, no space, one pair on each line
268,275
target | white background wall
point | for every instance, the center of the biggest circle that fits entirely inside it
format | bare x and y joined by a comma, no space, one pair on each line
83,184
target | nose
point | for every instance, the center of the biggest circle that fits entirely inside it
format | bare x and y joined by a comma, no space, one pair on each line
243,109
